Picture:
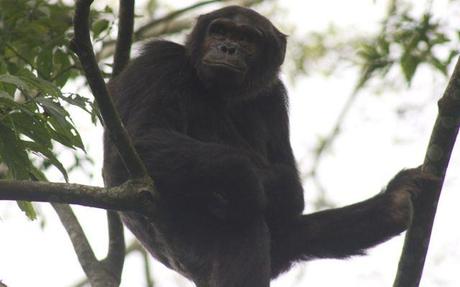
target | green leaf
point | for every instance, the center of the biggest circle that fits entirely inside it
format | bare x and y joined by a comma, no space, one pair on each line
108,9
452,54
95,113
440,38
62,63
46,152
33,127
45,62
62,130
37,174
28,81
13,153
409,65
8,102
437,64
64,135
40,84
99,26
45,10
79,101
53,108
5,95
28,209
14,80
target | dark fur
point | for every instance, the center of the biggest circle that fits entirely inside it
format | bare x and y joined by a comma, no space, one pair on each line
221,159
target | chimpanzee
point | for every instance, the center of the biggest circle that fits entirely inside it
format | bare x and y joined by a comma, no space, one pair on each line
209,120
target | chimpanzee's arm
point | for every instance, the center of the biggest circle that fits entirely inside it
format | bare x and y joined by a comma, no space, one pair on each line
347,231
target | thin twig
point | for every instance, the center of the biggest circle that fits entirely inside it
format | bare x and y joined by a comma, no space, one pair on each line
147,272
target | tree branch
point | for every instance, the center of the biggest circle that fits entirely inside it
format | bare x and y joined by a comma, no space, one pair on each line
437,158
134,246
124,36
130,196
98,272
81,45
148,275
76,234
116,253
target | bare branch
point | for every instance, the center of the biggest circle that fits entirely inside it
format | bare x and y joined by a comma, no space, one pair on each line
131,196
133,247
81,45
147,272
124,37
76,234
98,273
116,253
437,158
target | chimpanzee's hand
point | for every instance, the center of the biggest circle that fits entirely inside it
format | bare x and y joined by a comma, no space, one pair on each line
403,191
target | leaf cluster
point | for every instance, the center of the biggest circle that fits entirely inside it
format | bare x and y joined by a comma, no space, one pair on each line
407,41
35,64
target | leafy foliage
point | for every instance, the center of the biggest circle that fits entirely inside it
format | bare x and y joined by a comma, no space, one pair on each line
407,41
35,64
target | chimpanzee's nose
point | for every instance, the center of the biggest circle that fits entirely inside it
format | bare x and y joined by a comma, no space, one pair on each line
228,48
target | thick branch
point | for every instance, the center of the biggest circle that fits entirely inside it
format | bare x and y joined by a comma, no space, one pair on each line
437,158
131,196
81,45
124,37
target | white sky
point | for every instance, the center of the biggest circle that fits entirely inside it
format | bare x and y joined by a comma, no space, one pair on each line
374,145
